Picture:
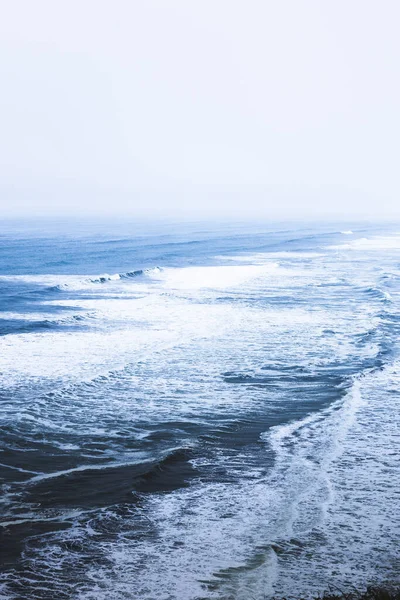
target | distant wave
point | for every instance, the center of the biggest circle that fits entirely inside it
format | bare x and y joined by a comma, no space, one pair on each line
376,243
105,278
128,275
23,324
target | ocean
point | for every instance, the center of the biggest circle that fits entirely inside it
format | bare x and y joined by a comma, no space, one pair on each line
198,411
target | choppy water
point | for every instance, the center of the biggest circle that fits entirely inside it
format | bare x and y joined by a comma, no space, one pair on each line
198,412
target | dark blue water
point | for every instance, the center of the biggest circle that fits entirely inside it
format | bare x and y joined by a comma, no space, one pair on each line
197,411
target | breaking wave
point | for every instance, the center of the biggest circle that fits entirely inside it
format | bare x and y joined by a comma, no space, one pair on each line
128,275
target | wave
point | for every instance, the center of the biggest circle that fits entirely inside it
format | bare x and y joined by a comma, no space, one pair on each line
376,243
23,324
376,292
74,281
110,483
127,275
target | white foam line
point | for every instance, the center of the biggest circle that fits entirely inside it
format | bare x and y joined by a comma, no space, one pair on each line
101,467
18,469
63,517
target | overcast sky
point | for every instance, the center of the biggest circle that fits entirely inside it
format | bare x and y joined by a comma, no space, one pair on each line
198,108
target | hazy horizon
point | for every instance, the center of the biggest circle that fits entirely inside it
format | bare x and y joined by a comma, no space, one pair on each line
201,110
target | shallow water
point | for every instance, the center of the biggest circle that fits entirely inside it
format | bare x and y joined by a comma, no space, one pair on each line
198,411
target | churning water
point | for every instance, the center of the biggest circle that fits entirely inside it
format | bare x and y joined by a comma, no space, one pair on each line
198,412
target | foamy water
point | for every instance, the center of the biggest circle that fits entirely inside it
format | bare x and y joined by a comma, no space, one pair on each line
215,420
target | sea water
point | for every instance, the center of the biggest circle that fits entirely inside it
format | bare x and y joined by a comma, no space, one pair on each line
198,411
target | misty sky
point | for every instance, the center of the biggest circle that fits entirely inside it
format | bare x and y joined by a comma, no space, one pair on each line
200,108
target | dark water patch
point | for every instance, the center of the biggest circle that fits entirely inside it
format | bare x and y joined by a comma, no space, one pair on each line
35,456
14,536
173,472
109,484
12,473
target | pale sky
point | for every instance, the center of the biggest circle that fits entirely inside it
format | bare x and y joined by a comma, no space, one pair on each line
200,108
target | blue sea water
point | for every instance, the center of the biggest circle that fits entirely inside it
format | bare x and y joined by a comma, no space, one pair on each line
198,411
